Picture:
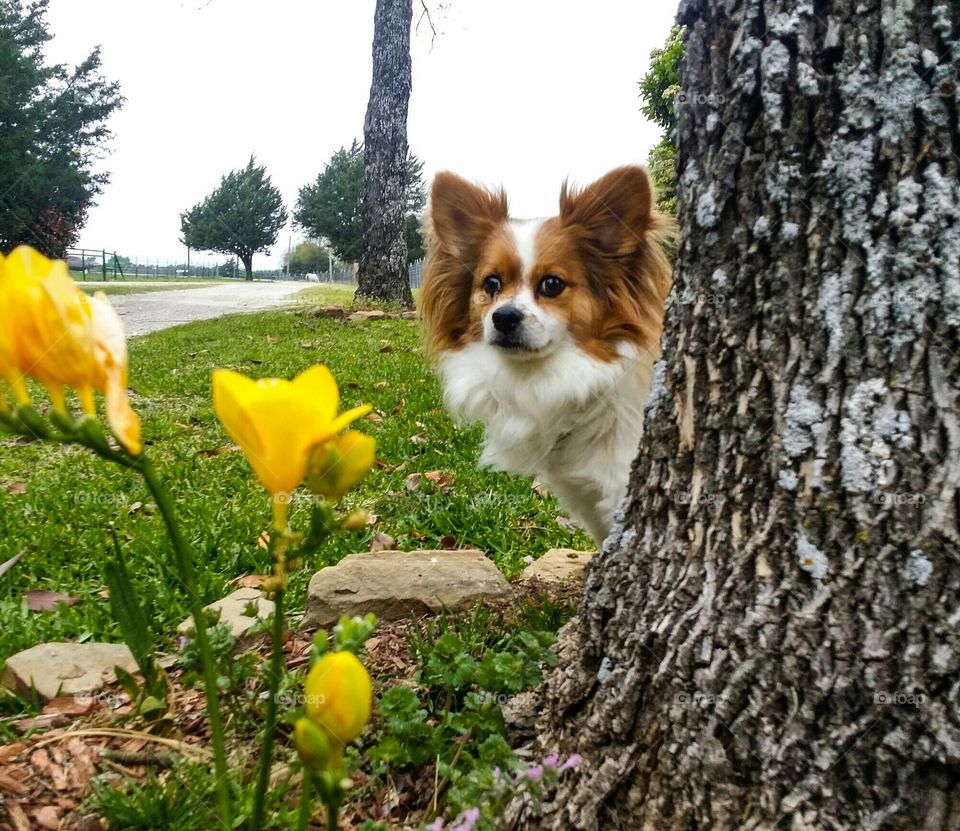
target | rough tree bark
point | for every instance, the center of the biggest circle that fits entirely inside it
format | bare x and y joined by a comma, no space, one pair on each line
247,260
770,638
383,265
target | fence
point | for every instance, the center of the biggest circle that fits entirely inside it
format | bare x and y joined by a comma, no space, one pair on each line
101,264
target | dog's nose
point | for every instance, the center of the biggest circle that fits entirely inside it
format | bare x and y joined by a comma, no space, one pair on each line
506,319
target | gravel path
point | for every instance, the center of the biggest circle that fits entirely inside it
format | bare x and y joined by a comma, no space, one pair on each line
143,313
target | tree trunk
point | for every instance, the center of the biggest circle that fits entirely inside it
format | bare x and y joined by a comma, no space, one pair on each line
247,260
770,638
383,265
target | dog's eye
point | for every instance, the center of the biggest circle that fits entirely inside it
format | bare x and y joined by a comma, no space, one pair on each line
550,285
492,284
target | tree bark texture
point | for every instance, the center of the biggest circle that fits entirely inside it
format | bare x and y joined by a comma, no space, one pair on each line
770,637
383,265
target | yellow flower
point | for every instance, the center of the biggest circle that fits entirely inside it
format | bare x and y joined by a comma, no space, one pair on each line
9,365
339,695
50,326
51,331
277,423
110,352
335,467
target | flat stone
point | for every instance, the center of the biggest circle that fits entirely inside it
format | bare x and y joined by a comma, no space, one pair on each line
233,609
559,565
372,314
410,315
334,312
61,668
402,584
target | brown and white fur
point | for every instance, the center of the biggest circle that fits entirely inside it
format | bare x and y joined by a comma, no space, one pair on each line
546,330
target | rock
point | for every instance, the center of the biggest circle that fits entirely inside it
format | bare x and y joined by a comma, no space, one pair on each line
66,668
410,315
232,609
400,584
372,314
335,312
559,565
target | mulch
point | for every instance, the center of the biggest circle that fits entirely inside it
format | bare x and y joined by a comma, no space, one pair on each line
45,775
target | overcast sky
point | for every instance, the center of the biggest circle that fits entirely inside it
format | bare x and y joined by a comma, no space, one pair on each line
515,92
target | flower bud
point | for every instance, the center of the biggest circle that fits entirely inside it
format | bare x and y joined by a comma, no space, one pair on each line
339,695
312,744
339,464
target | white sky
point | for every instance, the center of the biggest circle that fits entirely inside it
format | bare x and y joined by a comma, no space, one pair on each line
521,93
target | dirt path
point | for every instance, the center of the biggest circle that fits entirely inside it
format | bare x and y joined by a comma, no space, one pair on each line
143,313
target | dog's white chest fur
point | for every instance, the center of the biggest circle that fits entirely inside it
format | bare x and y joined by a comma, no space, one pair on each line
571,420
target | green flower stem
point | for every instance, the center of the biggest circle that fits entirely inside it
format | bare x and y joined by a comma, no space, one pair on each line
185,567
270,732
306,800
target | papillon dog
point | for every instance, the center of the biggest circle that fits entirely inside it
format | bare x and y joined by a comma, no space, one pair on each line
546,330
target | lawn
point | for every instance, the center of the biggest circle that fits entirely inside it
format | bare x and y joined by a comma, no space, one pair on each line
59,504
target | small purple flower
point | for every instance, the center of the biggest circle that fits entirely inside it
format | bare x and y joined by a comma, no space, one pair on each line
571,763
550,763
184,640
535,773
466,820
436,825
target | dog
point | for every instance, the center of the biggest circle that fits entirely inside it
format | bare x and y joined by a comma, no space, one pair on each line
546,330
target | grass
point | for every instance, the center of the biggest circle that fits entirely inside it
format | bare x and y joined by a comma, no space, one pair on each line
61,503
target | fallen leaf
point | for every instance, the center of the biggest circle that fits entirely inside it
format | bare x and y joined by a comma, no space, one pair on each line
372,519
373,416
134,508
307,344
381,385
413,481
264,541
540,488
440,479
41,600
401,406
273,339
47,817
350,385
448,542
249,581
419,438
418,535
219,451
16,488
9,752
382,542
382,465
256,361
386,346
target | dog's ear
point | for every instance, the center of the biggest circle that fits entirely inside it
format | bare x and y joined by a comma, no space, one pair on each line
463,214
614,213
